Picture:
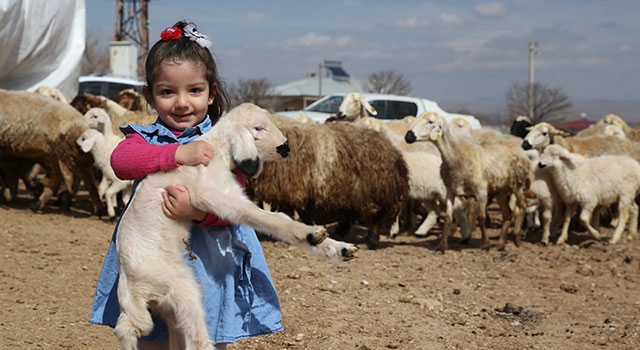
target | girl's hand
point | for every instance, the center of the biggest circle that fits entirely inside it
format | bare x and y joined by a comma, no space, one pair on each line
177,205
194,153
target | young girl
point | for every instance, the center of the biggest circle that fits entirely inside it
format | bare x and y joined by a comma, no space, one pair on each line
183,86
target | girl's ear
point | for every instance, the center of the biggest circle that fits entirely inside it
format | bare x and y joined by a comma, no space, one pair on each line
148,95
213,92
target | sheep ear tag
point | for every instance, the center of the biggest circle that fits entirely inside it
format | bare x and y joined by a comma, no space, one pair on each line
435,135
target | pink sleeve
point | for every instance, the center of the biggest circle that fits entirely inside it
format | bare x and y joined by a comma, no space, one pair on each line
134,158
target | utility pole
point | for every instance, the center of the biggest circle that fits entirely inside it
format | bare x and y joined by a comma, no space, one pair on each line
533,46
132,23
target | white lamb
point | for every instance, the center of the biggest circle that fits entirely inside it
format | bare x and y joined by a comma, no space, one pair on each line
101,148
591,182
149,273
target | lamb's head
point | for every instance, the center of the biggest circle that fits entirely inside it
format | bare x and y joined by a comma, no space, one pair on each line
255,139
460,126
85,101
541,135
97,118
428,126
88,139
556,155
354,107
612,119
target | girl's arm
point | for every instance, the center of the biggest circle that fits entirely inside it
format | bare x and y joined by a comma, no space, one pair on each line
134,158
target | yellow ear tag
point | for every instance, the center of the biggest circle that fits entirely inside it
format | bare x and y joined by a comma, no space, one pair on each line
437,138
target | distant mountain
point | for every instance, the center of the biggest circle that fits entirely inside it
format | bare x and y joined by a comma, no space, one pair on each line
592,109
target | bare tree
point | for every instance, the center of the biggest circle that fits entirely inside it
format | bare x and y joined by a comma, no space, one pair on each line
96,54
388,82
549,104
251,90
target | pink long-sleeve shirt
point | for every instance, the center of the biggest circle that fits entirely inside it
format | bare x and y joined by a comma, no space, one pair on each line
134,158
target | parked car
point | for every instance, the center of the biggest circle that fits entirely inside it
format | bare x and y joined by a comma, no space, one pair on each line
389,107
106,85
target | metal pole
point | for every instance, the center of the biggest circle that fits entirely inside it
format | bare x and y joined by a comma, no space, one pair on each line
532,52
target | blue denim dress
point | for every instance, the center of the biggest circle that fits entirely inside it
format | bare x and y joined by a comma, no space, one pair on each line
239,297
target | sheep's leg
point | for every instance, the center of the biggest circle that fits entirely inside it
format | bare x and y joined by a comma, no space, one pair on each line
633,220
507,219
586,215
111,196
448,224
623,217
564,234
461,216
395,228
427,224
237,208
51,185
482,219
134,320
546,225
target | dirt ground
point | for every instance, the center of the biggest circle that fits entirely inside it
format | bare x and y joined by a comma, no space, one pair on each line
405,295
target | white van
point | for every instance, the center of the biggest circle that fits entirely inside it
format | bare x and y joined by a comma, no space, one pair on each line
107,86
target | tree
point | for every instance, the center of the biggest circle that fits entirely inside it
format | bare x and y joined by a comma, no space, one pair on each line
251,90
549,104
95,59
388,82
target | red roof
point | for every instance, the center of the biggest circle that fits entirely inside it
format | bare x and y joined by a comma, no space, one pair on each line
574,125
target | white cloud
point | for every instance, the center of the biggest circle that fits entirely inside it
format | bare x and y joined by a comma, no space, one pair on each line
491,10
448,19
318,40
412,22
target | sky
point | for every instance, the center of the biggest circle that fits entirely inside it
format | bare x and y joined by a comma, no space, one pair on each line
447,50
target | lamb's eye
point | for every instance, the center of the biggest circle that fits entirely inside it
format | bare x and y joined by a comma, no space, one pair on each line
259,128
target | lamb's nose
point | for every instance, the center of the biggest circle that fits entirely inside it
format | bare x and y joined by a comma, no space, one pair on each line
283,149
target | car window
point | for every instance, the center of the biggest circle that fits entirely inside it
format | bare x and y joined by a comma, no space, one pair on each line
91,87
393,109
115,88
330,105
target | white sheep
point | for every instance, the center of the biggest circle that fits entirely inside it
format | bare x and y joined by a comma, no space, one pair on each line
471,169
611,119
591,182
101,147
150,271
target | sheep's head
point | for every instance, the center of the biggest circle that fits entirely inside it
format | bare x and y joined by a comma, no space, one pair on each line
428,126
556,155
541,135
255,139
354,107
97,118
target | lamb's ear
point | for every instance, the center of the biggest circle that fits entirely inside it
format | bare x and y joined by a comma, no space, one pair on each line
369,108
87,144
244,150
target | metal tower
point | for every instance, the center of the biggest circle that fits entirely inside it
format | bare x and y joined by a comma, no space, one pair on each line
132,23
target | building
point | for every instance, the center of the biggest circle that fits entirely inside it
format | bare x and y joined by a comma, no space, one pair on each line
298,94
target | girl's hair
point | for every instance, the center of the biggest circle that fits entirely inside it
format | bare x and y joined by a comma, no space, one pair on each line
185,49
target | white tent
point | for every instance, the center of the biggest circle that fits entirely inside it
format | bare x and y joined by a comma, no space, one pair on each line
42,44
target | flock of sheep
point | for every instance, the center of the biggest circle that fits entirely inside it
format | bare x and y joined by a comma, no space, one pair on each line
355,169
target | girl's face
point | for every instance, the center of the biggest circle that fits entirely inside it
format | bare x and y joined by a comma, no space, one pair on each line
181,94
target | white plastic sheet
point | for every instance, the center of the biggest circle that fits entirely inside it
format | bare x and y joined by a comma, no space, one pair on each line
41,43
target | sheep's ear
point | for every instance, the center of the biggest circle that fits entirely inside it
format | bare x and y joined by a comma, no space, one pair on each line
88,143
244,150
369,108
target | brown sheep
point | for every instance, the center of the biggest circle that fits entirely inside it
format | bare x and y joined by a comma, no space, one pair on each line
336,173
36,126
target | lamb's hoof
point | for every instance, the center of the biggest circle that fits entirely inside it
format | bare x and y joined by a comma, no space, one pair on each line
35,206
349,253
465,241
317,237
112,218
544,244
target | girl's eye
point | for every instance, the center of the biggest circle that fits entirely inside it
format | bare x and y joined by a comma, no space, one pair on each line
196,90
166,92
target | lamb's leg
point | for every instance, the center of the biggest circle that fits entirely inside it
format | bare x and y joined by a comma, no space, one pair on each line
633,220
482,219
427,224
586,215
564,234
546,225
134,320
507,219
238,208
448,224
623,218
